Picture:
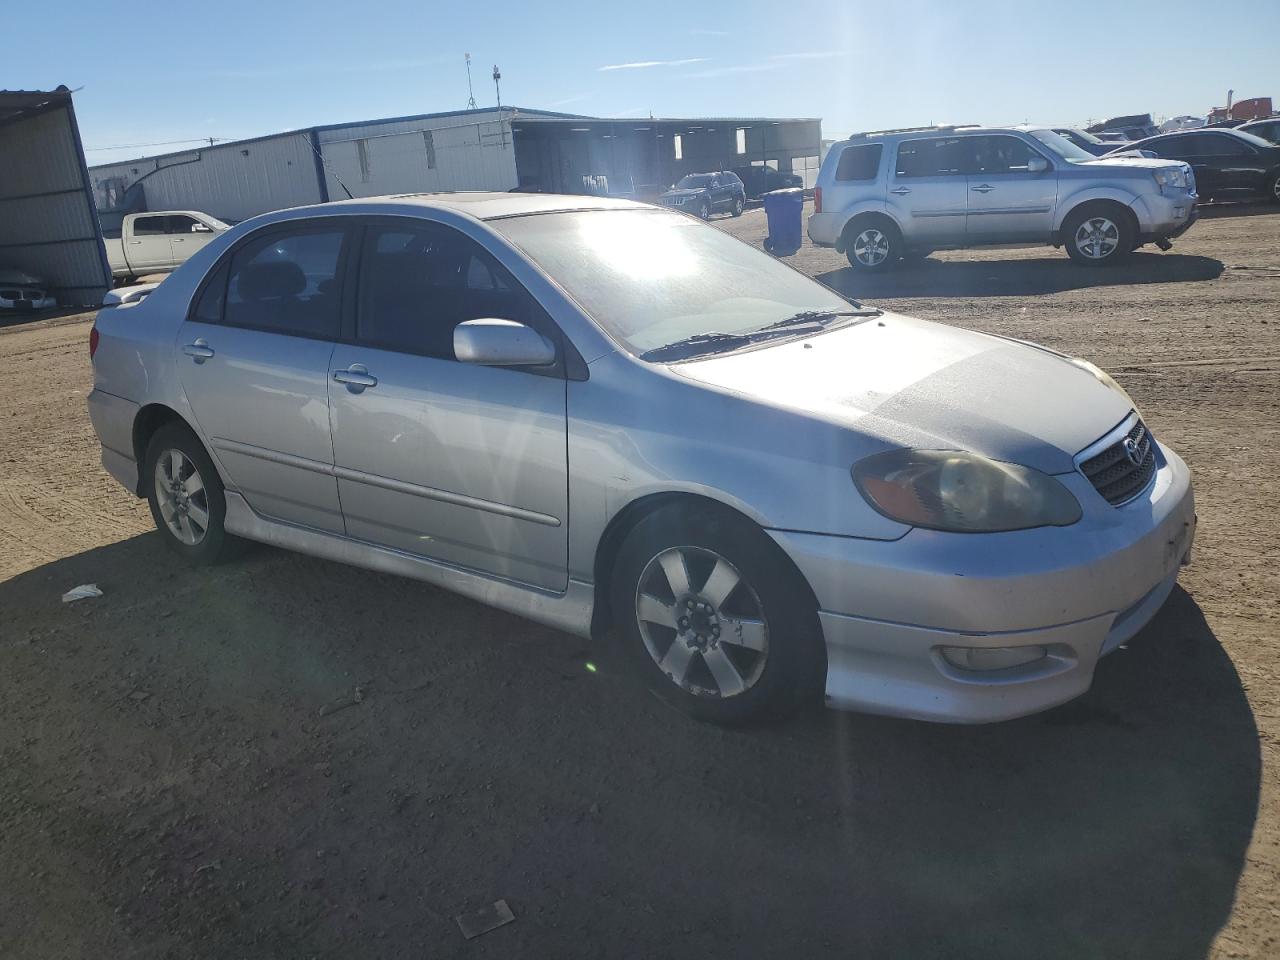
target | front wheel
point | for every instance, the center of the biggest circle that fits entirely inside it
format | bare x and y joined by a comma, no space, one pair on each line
715,618
1273,188
738,206
704,210
1098,237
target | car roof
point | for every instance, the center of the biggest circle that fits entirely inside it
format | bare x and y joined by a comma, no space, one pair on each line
959,130
489,205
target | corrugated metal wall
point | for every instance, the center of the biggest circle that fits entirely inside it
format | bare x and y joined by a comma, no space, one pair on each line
48,225
408,156
232,182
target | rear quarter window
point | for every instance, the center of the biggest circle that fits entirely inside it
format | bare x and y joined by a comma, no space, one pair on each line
860,162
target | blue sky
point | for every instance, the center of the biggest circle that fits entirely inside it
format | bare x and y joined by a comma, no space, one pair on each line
172,71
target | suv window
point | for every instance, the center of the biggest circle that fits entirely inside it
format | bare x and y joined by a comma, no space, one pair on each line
148,226
419,281
860,162
933,157
287,282
997,153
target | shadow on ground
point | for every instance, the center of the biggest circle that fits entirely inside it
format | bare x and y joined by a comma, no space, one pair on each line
175,766
1017,278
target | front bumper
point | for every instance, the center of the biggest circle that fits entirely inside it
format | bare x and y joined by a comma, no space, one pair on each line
1165,216
889,608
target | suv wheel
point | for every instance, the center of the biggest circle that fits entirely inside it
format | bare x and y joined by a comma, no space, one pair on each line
738,205
873,245
704,210
1098,236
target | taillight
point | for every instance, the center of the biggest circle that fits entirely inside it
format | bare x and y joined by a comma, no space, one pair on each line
93,342
817,199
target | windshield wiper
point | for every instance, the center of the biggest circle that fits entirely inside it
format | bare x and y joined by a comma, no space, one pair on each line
698,343
821,317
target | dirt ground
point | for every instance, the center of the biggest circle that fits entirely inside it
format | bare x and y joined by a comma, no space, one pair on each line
185,770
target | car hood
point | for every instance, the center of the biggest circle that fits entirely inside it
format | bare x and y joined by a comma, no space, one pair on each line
1144,163
685,192
913,383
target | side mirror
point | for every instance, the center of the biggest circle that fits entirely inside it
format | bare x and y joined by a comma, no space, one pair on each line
1037,165
200,228
501,343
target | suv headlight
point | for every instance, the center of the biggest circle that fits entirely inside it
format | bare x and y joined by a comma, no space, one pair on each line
962,492
1174,178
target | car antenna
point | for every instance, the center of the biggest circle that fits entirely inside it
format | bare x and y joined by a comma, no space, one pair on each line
328,169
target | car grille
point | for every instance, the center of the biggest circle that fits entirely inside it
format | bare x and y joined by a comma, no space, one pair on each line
1123,470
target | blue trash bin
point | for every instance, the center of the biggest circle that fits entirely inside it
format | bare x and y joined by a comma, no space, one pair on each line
785,211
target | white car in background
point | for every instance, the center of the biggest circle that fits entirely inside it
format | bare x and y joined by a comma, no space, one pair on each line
20,291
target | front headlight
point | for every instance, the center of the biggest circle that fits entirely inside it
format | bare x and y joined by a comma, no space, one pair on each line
962,492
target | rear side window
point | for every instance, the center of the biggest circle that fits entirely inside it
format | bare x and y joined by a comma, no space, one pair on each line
287,283
150,226
419,281
860,162
934,157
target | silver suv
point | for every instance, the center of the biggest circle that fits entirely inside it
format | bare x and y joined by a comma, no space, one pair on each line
899,194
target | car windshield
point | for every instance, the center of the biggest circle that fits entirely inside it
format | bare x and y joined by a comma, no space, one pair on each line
694,181
1063,147
651,278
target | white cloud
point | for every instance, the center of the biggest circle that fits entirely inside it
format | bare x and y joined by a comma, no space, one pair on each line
643,64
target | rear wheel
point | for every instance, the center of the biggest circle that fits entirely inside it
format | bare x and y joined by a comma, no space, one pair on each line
186,495
714,617
1099,235
1273,188
872,245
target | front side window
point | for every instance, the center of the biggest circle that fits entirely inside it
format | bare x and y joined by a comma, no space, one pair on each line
650,278
1221,145
420,280
933,157
287,282
180,223
860,163
997,154
1064,144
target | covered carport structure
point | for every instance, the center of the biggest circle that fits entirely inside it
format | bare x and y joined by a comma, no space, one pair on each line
48,220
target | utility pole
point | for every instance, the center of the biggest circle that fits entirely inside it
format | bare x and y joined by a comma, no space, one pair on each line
497,86
471,96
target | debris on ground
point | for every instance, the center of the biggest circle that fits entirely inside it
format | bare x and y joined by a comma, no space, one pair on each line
356,696
485,919
85,591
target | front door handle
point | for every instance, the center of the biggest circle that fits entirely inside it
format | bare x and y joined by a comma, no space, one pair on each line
982,188
356,377
176,239
199,351
901,191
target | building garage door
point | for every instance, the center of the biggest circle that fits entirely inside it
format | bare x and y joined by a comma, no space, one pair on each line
48,221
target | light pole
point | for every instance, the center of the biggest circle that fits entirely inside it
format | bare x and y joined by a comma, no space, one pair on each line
497,86
471,95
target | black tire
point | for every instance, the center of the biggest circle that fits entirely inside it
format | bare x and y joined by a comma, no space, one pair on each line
704,210
872,245
1273,188
738,206
214,544
790,668
1110,239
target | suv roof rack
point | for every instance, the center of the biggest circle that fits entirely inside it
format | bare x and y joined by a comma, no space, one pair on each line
934,129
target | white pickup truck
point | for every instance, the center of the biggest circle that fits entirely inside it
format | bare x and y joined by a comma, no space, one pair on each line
158,242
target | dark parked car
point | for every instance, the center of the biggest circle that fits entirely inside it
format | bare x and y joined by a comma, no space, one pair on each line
706,193
1228,164
1268,129
760,180
1085,141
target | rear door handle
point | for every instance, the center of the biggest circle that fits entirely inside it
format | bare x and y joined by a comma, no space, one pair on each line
200,351
982,188
356,377
901,191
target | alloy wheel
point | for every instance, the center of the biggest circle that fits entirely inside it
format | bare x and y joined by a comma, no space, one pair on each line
1097,238
181,496
871,247
701,622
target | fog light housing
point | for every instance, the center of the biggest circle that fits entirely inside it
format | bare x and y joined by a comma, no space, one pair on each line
992,658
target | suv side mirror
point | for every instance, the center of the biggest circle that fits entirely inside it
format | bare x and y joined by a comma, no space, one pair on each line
1037,165
501,343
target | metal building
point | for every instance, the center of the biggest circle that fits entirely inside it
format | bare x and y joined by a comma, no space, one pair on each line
48,224
483,149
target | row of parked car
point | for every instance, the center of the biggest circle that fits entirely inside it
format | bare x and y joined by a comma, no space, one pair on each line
901,194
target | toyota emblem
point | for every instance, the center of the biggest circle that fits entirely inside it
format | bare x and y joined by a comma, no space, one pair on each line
1133,451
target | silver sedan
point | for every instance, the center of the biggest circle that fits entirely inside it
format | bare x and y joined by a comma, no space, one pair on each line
619,421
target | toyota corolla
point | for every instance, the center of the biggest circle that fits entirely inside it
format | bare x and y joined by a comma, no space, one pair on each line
622,422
